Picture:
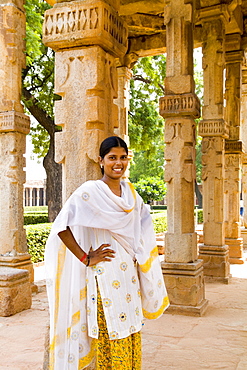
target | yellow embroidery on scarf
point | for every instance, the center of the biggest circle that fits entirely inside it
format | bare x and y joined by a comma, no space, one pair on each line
145,267
155,315
134,195
84,361
60,266
76,318
83,293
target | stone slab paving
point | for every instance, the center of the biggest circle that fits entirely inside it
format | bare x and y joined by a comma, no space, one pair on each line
218,340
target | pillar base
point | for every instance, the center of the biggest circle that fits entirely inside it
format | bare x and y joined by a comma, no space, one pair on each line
215,261
15,291
20,261
186,288
244,237
235,250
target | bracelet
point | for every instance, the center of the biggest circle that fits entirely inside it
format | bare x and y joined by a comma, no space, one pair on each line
88,261
83,257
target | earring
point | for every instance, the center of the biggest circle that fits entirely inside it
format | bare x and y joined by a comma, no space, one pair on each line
101,166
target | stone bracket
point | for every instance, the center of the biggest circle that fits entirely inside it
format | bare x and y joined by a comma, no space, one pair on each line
12,121
233,146
80,24
177,105
213,127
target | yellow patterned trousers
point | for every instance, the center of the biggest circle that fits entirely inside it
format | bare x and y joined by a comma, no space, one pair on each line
117,354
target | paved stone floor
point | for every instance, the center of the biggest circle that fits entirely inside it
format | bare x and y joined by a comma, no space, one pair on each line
218,340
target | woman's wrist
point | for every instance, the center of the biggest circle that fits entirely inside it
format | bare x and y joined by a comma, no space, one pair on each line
83,258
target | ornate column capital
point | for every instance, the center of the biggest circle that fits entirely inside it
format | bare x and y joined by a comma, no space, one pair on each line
14,122
180,105
234,146
82,23
213,127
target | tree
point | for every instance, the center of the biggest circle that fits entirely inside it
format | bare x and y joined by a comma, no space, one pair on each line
151,188
38,98
146,127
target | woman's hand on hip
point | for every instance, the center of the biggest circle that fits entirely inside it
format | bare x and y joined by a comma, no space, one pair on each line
103,253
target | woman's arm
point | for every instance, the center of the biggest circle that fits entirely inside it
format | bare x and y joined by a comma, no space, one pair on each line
101,254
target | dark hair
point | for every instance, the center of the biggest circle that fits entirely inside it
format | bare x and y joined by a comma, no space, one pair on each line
111,142
108,144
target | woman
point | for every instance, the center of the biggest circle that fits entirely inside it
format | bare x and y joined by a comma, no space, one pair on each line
103,271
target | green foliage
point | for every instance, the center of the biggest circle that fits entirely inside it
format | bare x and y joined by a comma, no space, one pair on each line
151,188
199,216
146,127
36,239
38,77
160,224
35,218
34,209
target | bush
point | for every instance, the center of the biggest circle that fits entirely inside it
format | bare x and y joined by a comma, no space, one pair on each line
36,238
151,188
35,218
34,209
200,216
160,224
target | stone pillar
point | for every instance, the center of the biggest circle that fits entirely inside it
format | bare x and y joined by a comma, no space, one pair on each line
243,125
233,148
213,129
14,126
87,36
183,272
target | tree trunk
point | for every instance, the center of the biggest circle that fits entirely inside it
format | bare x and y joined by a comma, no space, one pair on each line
198,195
53,182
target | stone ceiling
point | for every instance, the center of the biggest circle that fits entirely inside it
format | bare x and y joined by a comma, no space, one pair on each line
145,19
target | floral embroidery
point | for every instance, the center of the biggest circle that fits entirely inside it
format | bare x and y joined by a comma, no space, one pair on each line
159,283
156,304
133,279
85,196
116,284
151,293
100,270
137,311
81,348
128,297
93,298
71,358
132,329
88,311
107,302
83,327
114,335
94,330
123,316
75,335
139,292
123,266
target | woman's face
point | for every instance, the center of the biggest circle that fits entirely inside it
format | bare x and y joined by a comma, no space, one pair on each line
115,163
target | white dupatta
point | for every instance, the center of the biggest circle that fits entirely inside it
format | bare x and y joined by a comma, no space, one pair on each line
93,205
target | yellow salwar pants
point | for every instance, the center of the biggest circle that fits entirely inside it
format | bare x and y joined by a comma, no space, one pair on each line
117,354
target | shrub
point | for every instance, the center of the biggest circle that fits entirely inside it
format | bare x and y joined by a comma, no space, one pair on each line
151,188
200,216
160,224
36,238
35,218
34,209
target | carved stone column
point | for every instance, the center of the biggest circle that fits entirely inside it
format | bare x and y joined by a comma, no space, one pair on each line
243,123
233,148
183,272
14,126
214,130
87,37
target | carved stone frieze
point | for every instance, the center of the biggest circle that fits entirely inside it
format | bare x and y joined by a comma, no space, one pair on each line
213,127
233,146
83,24
184,104
14,121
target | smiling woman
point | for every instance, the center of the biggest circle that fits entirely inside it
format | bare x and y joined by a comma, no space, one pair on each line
100,292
